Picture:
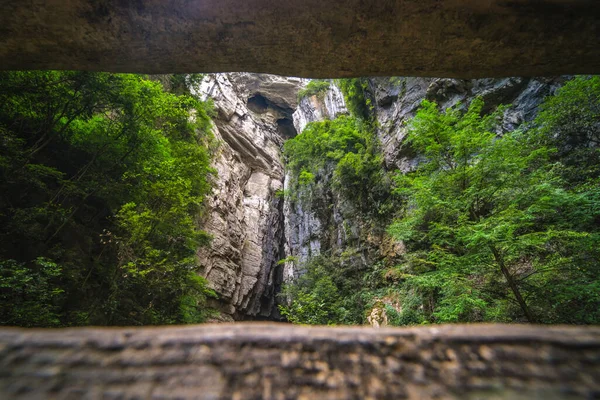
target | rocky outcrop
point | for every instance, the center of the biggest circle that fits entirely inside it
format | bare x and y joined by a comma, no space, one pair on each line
397,100
310,38
244,213
319,107
277,361
303,227
303,233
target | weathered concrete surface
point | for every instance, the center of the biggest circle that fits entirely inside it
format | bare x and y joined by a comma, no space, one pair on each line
270,361
310,38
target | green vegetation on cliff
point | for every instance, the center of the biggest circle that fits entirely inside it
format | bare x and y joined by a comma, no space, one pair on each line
493,231
345,147
316,87
103,179
357,97
495,228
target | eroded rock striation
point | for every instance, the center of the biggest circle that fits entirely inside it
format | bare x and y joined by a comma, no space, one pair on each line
397,100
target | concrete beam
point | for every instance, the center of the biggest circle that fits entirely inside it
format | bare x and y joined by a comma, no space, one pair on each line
308,38
277,361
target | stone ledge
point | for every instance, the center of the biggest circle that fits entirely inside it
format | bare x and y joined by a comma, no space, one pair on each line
309,38
248,361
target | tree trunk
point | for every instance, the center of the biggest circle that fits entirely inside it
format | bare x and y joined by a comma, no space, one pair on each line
512,284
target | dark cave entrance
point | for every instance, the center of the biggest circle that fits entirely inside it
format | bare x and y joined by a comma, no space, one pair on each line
259,104
286,129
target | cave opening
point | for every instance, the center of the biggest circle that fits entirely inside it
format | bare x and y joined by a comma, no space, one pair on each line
286,128
258,104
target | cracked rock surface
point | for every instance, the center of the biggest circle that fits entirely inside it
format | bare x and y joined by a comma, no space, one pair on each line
244,215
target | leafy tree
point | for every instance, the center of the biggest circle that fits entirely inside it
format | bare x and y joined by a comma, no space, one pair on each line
570,122
315,299
321,142
493,232
357,96
29,294
497,228
316,87
325,294
103,178
344,155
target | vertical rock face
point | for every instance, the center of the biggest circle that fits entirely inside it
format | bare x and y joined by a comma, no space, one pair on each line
397,100
244,214
303,226
319,108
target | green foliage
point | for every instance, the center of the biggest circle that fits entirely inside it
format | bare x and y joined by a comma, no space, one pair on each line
103,177
316,87
493,232
405,318
336,159
320,296
360,178
315,301
306,178
312,155
498,229
29,296
281,193
397,81
348,148
288,259
340,289
570,122
181,83
324,141
357,96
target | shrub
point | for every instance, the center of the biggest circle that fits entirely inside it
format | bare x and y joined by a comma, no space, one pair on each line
315,87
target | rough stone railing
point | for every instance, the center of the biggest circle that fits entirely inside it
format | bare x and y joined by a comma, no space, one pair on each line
276,361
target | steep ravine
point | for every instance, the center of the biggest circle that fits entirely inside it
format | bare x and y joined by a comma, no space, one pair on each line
254,227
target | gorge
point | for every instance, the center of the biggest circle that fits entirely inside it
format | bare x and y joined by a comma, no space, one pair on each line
261,235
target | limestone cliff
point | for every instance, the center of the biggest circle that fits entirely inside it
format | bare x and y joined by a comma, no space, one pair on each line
254,116
397,100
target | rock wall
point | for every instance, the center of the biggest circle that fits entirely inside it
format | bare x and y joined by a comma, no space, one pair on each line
397,100
319,108
277,361
302,226
244,214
